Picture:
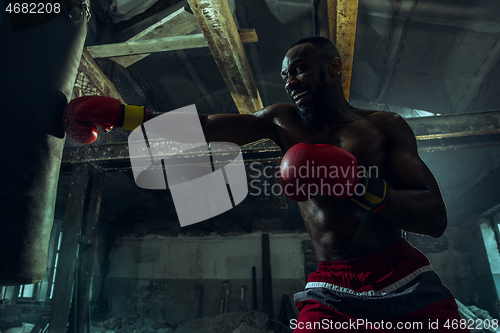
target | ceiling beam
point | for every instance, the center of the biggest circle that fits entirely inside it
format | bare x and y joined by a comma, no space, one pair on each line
332,20
96,77
343,15
433,134
141,47
217,25
466,124
179,23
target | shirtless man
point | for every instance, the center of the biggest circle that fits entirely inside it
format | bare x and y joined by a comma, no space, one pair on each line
375,138
368,272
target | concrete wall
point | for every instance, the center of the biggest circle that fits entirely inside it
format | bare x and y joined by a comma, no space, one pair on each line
175,279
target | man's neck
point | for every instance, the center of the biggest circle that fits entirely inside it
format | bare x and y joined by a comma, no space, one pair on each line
334,113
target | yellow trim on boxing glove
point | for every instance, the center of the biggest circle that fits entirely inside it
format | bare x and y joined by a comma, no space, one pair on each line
365,207
373,199
370,201
133,116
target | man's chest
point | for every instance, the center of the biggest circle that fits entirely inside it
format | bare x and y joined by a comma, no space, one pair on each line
361,138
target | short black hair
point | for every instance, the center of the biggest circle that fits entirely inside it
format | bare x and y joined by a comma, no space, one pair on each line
325,46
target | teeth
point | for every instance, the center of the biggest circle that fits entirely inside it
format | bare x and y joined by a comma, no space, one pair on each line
295,97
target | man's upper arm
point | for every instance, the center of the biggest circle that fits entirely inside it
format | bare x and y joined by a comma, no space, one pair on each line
417,204
406,169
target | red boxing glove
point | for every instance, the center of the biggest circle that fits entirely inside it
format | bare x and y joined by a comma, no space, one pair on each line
307,170
83,114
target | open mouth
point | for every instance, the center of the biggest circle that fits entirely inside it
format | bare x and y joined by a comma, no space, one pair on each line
300,97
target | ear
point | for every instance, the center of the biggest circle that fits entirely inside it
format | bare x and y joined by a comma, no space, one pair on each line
335,66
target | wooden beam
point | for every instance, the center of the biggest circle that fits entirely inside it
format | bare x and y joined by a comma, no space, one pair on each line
147,46
159,45
96,77
343,15
179,23
332,20
217,25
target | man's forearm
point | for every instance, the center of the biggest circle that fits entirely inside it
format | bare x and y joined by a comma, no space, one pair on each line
417,211
238,129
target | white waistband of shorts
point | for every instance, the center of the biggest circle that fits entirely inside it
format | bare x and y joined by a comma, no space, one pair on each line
389,289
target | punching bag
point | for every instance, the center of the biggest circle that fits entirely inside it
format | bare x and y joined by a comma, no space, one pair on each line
38,65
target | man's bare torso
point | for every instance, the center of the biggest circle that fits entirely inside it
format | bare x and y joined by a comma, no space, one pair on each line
339,229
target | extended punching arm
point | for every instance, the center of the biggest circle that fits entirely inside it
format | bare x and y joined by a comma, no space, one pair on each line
82,116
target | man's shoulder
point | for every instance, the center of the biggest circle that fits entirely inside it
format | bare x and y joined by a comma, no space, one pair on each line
277,111
384,119
393,125
375,115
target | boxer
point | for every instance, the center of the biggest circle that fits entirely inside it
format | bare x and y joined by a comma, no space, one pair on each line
368,273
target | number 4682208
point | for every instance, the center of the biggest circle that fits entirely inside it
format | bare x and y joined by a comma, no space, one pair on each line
33,8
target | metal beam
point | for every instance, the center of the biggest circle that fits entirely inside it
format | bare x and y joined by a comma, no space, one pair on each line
159,45
217,24
432,133
466,124
343,15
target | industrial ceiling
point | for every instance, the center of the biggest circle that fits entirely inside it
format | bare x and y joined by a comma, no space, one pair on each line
414,57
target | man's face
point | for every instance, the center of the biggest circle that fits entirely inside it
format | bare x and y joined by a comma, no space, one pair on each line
304,76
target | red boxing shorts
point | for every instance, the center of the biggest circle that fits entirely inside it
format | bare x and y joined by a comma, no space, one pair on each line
394,290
